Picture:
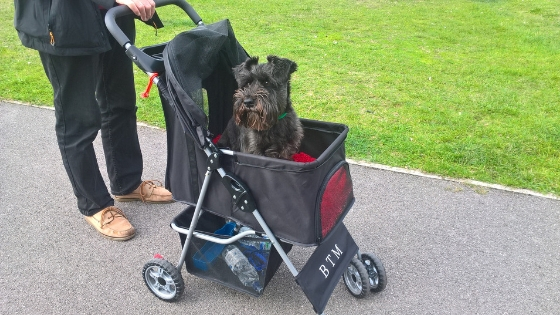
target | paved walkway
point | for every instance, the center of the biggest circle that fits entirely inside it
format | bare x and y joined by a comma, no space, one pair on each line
448,247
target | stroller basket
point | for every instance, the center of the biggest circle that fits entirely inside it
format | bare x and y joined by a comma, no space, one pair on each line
301,202
205,258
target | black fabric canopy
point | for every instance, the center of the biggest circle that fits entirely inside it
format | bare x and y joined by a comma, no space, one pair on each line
201,60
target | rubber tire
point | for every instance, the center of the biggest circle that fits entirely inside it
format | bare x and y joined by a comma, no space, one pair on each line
163,279
356,278
376,272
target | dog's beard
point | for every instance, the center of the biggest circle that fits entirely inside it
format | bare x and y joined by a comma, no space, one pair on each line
257,117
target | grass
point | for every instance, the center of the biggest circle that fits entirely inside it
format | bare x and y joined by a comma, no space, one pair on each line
465,89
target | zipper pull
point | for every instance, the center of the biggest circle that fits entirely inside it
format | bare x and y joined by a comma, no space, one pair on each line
51,35
155,26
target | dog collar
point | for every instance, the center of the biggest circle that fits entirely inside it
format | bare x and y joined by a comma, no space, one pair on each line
282,116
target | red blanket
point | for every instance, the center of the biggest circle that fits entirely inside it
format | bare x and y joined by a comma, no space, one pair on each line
300,157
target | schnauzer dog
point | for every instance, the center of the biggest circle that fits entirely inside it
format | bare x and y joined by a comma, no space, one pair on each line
264,121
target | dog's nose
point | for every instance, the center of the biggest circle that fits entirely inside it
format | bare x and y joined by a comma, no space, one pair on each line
248,102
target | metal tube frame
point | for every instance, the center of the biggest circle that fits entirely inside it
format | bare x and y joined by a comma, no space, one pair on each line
190,232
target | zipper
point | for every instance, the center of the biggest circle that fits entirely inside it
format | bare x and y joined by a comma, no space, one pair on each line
49,28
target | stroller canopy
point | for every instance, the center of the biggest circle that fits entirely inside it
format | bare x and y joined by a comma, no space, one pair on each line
197,60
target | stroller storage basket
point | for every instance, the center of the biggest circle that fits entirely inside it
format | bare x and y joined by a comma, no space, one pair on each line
204,258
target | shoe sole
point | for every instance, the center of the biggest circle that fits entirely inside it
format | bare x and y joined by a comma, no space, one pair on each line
118,239
120,199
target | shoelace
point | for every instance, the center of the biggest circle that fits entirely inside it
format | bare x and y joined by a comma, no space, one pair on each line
114,212
152,184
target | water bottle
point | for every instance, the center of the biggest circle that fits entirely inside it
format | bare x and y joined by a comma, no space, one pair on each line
240,266
256,243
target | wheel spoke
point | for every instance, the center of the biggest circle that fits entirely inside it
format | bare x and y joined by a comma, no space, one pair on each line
170,287
372,272
370,269
154,273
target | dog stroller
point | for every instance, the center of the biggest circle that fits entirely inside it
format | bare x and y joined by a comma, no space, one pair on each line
245,212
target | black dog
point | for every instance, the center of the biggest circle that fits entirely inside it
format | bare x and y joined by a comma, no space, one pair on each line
264,121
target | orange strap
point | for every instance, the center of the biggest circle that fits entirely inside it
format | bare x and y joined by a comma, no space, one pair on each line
146,92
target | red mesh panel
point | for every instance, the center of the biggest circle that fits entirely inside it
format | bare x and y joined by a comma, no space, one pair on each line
335,200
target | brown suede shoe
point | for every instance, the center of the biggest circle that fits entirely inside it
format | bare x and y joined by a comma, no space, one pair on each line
112,224
149,191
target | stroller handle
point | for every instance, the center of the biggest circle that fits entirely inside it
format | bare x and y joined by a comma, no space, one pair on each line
122,10
143,60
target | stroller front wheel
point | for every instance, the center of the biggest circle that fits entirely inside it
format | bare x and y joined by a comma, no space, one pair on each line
163,279
356,278
376,272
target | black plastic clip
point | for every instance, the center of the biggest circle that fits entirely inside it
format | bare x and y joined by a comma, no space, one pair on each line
240,193
213,161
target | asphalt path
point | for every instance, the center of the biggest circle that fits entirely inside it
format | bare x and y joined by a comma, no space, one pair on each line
448,247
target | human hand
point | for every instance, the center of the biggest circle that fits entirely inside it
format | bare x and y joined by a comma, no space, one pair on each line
143,8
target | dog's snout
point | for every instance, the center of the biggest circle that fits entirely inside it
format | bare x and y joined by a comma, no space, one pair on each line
249,102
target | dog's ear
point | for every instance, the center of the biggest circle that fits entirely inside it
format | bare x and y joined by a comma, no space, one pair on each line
250,62
281,67
243,70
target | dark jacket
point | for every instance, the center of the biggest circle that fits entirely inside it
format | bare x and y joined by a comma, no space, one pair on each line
62,27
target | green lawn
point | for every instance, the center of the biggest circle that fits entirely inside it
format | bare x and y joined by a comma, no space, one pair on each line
466,89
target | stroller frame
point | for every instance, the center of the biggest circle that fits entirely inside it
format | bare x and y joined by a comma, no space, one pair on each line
245,198
364,273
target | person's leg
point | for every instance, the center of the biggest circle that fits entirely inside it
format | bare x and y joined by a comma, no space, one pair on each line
117,101
78,121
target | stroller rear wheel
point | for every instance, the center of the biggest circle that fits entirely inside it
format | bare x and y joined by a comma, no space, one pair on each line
163,279
376,272
356,278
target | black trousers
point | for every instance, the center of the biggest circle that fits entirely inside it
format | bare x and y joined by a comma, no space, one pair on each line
92,93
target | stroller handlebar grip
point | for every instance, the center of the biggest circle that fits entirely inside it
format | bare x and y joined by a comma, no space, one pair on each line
144,61
122,10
